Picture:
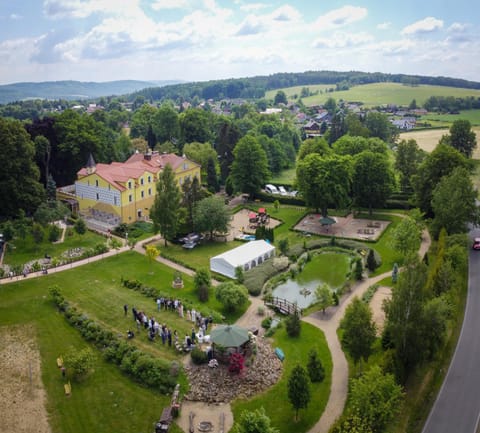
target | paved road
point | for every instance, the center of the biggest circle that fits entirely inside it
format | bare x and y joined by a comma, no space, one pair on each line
457,408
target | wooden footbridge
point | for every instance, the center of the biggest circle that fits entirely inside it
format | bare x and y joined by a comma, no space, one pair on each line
282,305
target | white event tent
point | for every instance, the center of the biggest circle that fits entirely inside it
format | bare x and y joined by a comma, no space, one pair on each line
247,256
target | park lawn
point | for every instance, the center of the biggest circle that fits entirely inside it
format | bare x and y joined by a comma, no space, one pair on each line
21,251
329,267
384,245
275,400
285,177
107,401
198,257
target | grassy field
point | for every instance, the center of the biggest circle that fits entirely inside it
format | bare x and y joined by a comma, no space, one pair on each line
107,401
330,268
473,116
286,177
21,251
275,400
428,139
378,94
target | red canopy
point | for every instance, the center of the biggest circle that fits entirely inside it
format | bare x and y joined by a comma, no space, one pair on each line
252,215
261,210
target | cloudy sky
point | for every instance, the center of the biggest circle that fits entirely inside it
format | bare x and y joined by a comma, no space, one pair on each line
198,40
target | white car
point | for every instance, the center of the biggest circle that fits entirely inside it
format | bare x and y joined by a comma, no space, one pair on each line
271,189
282,190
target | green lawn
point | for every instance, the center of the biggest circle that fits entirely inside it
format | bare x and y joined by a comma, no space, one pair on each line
285,177
107,401
198,257
21,251
331,268
275,401
378,94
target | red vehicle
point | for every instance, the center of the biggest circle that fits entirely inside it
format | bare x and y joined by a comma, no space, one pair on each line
476,244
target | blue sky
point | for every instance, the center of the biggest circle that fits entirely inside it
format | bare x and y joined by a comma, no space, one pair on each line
198,40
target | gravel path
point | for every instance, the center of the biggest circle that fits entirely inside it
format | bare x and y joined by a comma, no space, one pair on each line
329,323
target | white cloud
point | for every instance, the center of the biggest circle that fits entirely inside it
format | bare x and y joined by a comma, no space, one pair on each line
427,25
15,17
251,25
58,9
169,4
384,26
343,40
251,7
341,17
458,27
286,13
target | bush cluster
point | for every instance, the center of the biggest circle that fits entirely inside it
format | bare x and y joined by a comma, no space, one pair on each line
142,367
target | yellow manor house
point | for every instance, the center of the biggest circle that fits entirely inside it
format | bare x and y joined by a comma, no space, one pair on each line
123,192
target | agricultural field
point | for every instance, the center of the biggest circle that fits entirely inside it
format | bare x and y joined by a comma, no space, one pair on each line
473,116
428,139
377,94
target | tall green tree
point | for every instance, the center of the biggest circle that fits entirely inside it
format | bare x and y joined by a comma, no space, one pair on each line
461,137
202,282
195,126
404,318
407,159
454,203
379,126
211,215
314,145
375,398
280,98
441,162
250,168
165,123
372,180
298,386
324,297
19,176
406,237
358,330
212,177
164,212
227,136
325,182
192,194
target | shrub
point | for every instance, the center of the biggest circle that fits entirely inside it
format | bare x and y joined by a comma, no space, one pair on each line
267,322
314,367
293,324
79,363
80,226
54,233
198,356
236,363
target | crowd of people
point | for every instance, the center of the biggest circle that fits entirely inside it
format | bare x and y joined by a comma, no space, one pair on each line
162,331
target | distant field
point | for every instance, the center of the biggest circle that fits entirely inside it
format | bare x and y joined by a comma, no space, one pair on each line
471,115
428,139
377,93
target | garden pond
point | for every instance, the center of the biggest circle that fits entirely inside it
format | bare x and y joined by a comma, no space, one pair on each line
330,268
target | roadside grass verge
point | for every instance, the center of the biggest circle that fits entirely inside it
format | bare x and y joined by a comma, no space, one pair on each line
275,400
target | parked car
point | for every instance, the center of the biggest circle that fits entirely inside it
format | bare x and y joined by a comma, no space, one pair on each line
282,190
271,189
476,244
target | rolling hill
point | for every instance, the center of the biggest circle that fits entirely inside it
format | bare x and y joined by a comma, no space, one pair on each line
73,89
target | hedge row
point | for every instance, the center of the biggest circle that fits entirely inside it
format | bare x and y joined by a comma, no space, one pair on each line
142,367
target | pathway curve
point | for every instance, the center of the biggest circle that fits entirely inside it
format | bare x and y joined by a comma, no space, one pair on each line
329,323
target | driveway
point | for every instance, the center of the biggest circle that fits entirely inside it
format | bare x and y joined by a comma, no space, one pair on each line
457,407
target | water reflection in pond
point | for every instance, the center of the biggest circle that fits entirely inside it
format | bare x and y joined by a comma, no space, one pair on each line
330,268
